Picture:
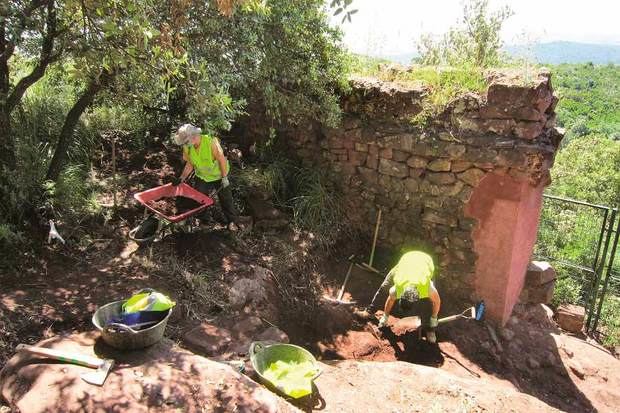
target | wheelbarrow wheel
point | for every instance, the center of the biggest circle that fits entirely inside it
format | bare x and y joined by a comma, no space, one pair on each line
146,231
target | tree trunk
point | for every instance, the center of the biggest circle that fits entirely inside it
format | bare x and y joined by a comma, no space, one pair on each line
68,128
7,153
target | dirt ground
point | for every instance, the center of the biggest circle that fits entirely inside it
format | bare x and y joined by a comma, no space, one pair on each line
56,289
534,357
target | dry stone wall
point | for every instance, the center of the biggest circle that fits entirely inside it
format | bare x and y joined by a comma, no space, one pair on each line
422,177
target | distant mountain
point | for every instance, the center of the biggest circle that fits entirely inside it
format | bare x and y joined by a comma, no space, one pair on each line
568,52
403,59
550,53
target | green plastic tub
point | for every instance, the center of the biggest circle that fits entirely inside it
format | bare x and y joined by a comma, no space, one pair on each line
286,368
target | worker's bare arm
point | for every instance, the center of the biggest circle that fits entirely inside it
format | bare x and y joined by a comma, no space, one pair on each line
435,299
218,154
187,170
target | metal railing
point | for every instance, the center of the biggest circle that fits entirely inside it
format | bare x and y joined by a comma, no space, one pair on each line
581,239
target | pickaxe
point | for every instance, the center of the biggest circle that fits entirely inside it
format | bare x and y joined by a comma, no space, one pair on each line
97,377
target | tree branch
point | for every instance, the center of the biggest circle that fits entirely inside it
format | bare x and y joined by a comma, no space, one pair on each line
7,47
66,134
46,57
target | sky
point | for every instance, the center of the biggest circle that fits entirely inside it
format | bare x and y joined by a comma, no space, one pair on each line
390,27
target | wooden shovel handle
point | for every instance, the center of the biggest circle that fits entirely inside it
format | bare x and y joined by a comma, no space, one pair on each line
72,358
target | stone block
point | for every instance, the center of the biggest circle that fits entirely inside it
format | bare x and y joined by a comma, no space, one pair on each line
351,123
467,224
441,178
335,143
416,172
439,165
353,134
399,156
424,149
356,158
391,168
348,143
455,151
373,150
372,161
343,157
412,185
497,126
436,217
339,151
528,130
403,142
460,166
539,272
465,193
507,112
361,147
541,293
452,190
417,162
385,153
429,188
570,317
471,176
433,202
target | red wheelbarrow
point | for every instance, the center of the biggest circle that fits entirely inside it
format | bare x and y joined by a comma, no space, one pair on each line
155,225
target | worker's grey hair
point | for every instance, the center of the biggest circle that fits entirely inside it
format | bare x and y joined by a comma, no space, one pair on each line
185,134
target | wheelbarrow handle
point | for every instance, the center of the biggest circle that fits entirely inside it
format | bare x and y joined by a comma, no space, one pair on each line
110,328
256,347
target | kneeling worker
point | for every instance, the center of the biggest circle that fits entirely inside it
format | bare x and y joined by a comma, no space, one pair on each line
410,283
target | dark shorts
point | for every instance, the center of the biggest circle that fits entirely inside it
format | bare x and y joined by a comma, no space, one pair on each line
422,308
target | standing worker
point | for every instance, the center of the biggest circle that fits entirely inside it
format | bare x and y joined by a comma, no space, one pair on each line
410,283
203,154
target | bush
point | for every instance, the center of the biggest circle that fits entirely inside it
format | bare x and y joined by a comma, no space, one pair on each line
318,206
610,321
566,291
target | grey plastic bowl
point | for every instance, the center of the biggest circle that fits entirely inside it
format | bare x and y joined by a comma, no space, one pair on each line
124,337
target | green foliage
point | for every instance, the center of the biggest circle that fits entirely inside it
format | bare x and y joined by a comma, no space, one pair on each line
610,321
588,169
566,291
590,100
444,83
72,195
318,206
361,65
474,41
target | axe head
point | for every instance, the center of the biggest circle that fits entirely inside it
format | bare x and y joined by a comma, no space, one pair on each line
98,376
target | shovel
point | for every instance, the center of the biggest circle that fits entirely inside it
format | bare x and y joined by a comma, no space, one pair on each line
97,377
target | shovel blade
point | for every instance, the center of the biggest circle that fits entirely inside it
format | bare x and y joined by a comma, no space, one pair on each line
98,376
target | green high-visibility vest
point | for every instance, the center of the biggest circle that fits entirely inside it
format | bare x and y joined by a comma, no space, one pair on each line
148,301
414,269
205,166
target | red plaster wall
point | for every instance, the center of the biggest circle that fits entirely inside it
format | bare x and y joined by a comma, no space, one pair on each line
508,212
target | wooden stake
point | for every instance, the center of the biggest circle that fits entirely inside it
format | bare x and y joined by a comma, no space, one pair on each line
346,279
374,240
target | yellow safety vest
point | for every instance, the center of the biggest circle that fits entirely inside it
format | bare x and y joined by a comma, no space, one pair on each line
205,166
148,301
414,269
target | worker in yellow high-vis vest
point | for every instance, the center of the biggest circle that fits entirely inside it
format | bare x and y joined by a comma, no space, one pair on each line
203,155
410,284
